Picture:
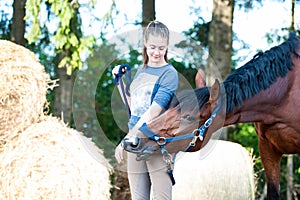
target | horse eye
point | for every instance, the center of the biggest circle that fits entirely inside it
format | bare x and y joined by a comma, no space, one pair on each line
188,117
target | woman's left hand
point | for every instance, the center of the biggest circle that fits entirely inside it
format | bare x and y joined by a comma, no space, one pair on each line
119,153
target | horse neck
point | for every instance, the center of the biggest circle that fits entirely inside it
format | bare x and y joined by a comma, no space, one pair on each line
260,107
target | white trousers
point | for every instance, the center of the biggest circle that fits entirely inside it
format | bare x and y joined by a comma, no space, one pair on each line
143,175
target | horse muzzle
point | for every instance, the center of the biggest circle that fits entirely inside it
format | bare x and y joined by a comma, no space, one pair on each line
139,147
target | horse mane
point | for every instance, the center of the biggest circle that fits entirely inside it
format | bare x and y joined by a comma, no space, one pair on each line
256,75
260,72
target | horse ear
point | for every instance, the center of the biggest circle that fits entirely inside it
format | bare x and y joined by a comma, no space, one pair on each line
215,91
214,94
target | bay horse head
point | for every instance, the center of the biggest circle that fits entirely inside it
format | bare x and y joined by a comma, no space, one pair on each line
186,126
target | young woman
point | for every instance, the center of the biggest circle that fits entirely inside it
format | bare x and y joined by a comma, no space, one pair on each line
151,91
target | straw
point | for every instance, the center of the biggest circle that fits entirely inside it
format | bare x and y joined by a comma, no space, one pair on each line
51,161
23,87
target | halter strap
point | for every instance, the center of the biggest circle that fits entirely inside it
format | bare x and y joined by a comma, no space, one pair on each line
196,134
201,130
124,70
162,140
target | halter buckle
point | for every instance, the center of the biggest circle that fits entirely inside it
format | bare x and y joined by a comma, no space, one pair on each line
208,122
197,134
161,141
193,142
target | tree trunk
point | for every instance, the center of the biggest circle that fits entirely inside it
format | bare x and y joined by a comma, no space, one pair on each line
63,95
18,22
64,92
289,178
148,11
220,43
293,16
220,38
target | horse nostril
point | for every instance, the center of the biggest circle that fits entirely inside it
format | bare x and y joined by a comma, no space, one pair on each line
134,144
144,154
131,142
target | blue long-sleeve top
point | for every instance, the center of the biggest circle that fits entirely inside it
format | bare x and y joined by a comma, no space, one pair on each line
151,84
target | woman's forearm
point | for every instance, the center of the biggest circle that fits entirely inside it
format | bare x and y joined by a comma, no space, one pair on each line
153,111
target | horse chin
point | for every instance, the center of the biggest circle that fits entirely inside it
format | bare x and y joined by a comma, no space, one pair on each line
140,146
145,154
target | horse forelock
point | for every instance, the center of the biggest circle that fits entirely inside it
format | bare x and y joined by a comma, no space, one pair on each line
191,100
259,73
202,95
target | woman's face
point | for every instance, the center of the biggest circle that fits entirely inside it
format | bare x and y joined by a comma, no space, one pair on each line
156,50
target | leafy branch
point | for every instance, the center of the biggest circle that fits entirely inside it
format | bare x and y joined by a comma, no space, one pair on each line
65,39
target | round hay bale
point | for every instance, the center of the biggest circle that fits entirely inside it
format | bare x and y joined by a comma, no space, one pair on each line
51,161
23,87
226,172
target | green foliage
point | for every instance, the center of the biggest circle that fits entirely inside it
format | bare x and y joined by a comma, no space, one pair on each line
32,16
245,135
186,70
108,103
5,25
199,32
92,95
297,170
248,5
67,37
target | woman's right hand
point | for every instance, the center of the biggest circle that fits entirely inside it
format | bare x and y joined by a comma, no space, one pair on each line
119,153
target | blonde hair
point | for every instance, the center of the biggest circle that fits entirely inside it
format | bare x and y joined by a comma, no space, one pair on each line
155,28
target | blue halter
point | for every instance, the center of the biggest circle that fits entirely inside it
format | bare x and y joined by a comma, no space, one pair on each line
196,134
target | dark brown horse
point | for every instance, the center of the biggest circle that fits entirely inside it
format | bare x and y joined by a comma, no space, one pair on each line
266,91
